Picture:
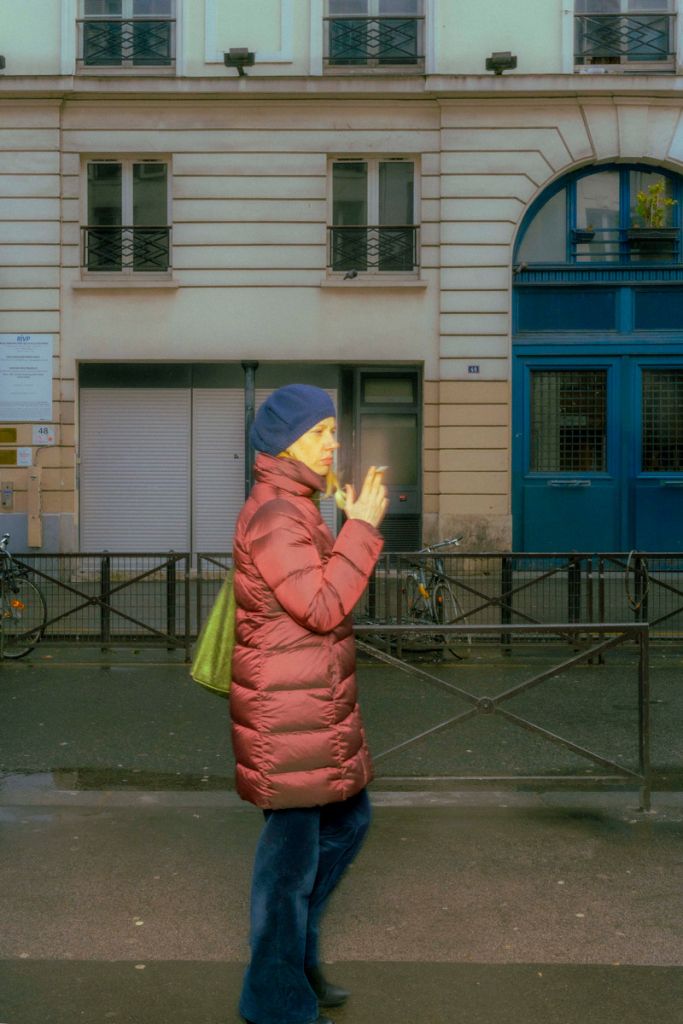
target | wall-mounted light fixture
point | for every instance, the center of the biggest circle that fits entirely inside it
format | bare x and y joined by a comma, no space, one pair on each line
239,57
500,61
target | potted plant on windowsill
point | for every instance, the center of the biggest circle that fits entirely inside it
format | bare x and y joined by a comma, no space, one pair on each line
582,235
650,236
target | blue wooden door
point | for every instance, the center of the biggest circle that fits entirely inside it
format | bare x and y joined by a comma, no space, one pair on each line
598,454
656,485
568,455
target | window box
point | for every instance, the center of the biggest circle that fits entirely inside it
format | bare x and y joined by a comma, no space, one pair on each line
653,241
582,235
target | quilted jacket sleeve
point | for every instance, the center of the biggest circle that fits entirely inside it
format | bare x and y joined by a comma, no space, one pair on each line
317,594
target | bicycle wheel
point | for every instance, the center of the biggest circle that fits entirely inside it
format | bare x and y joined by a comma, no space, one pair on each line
417,605
23,615
447,610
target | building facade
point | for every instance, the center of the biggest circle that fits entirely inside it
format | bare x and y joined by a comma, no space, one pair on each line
482,264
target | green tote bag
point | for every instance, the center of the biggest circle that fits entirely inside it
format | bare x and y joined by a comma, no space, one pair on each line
212,662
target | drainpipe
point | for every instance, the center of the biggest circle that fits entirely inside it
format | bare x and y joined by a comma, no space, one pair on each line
249,411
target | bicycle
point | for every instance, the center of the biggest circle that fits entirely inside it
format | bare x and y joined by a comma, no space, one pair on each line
429,597
23,611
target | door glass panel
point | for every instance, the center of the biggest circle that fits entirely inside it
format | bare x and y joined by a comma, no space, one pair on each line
545,240
104,194
150,236
662,442
102,8
396,192
339,7
103,234
350,193
391,441
597,210
386,390
149,194
568,421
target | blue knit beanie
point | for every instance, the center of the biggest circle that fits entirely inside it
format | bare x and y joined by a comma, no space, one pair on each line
287,414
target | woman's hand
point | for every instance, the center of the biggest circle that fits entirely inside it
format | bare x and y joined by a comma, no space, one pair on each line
372,502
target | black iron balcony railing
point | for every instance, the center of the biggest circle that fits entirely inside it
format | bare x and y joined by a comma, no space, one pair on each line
382,248
130,42
625,39
116,248
382,41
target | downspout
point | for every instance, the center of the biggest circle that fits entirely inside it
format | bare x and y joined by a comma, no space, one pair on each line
249,412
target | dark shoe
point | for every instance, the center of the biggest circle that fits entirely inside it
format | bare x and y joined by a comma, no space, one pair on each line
328,994
322,1019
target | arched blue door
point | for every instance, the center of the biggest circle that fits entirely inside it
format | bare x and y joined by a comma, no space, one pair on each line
598,368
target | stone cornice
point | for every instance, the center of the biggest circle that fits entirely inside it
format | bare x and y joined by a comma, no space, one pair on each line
287,87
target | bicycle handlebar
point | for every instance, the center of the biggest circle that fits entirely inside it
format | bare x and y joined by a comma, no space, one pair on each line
455,541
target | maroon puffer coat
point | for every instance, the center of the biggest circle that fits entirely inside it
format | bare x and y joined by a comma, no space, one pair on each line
296,725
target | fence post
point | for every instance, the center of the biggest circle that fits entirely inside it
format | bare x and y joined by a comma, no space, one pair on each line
188,644
506,599
574,590
105,588
641,589
644,718
170,597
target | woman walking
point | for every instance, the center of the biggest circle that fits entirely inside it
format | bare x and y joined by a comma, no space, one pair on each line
297,731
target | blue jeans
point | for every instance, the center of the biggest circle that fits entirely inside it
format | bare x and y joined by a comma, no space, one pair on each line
301,855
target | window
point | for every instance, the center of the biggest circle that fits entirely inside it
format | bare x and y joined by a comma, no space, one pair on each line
373,216
601,250
568,421
127,217
374,33
662,436
127,33
623,32
622,216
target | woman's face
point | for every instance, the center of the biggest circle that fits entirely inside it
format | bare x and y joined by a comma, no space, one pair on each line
316,447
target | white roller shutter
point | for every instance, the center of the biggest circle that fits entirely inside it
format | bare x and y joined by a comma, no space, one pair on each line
328,509
217,466
135,469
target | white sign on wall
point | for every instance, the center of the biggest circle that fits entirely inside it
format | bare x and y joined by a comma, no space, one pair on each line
26,377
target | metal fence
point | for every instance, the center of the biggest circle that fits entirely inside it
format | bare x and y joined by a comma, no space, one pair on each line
526,588
465,704
164,597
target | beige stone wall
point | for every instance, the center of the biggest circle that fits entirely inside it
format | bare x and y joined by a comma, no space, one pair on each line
30,304
250,210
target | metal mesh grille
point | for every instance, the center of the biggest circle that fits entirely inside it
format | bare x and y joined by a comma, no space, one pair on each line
568,421
663,421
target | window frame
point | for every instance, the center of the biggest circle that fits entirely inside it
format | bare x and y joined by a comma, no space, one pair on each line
373,63
373,201
127,65
626,64
126,163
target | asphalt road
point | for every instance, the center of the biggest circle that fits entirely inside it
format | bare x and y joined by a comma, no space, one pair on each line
126,857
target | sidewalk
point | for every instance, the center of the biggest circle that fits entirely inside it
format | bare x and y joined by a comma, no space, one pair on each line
126,861
464,908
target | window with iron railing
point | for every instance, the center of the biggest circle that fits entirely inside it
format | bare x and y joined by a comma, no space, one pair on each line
373,217
633,35
127,228
127,33
374,34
